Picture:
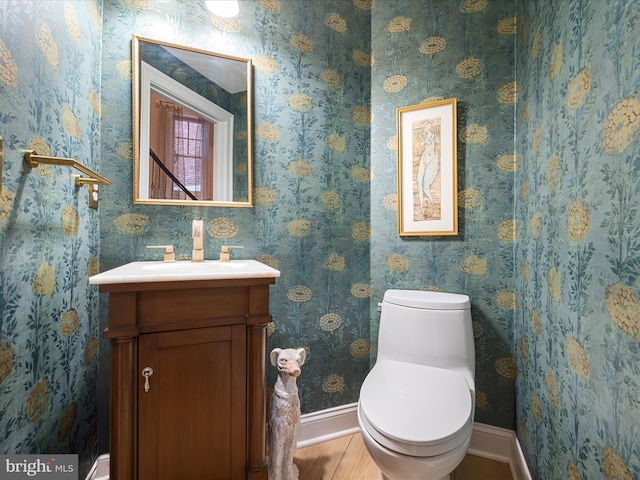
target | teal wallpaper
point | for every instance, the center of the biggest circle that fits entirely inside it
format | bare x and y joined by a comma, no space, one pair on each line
326,92
49,238
429,50
312,178
577,253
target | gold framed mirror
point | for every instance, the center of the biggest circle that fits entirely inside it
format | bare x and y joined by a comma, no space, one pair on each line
192,126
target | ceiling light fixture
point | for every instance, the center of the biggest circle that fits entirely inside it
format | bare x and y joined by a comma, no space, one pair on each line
223,8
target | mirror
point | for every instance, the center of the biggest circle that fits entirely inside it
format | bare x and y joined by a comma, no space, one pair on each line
192,126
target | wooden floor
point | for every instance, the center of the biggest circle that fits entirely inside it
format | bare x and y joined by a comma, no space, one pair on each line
346,458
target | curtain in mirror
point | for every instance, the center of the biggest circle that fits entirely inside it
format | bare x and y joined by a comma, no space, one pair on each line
184,146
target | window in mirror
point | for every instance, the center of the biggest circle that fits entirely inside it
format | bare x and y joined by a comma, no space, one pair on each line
193,153
181,153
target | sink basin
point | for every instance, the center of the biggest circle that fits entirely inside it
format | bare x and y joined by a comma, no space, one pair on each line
143,272
195,266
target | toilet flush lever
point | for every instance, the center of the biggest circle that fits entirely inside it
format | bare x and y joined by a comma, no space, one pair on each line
146,373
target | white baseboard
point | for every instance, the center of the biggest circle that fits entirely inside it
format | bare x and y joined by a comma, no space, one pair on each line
318,427
92,473
487,441
100,469
499,444
518,464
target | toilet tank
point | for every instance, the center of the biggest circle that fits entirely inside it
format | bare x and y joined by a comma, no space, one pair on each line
427,328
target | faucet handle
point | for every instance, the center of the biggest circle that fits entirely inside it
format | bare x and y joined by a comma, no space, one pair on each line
169,255
224,252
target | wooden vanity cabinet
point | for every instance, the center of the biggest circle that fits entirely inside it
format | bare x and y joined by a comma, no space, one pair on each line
201,414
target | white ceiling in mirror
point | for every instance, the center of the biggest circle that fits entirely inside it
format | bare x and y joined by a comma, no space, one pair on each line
230,75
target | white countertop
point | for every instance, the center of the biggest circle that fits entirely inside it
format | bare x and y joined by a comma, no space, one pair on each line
140,272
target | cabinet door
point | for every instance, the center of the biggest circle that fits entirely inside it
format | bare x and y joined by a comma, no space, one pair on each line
192,417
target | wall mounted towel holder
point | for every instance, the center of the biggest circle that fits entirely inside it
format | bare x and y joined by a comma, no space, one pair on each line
92,179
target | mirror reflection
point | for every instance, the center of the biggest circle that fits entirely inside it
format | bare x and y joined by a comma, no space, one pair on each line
192,126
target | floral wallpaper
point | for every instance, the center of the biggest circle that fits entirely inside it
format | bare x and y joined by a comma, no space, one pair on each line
577,254
49,238
311,180
432,50
327,82
313,68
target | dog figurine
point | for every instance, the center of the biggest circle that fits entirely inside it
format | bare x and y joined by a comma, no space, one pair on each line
284,414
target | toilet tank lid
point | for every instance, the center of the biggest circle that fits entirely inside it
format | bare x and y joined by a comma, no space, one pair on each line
427,300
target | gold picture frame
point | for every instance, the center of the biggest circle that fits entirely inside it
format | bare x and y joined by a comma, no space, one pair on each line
427,169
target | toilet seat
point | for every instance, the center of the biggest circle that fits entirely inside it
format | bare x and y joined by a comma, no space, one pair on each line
415,409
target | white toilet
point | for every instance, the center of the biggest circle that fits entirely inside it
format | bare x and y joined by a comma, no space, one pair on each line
416,405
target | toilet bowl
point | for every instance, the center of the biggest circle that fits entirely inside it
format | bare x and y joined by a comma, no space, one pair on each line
416,405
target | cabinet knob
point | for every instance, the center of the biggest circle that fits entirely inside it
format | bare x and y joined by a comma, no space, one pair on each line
146,373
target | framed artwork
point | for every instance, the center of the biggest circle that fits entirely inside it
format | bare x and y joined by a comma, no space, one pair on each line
427,169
